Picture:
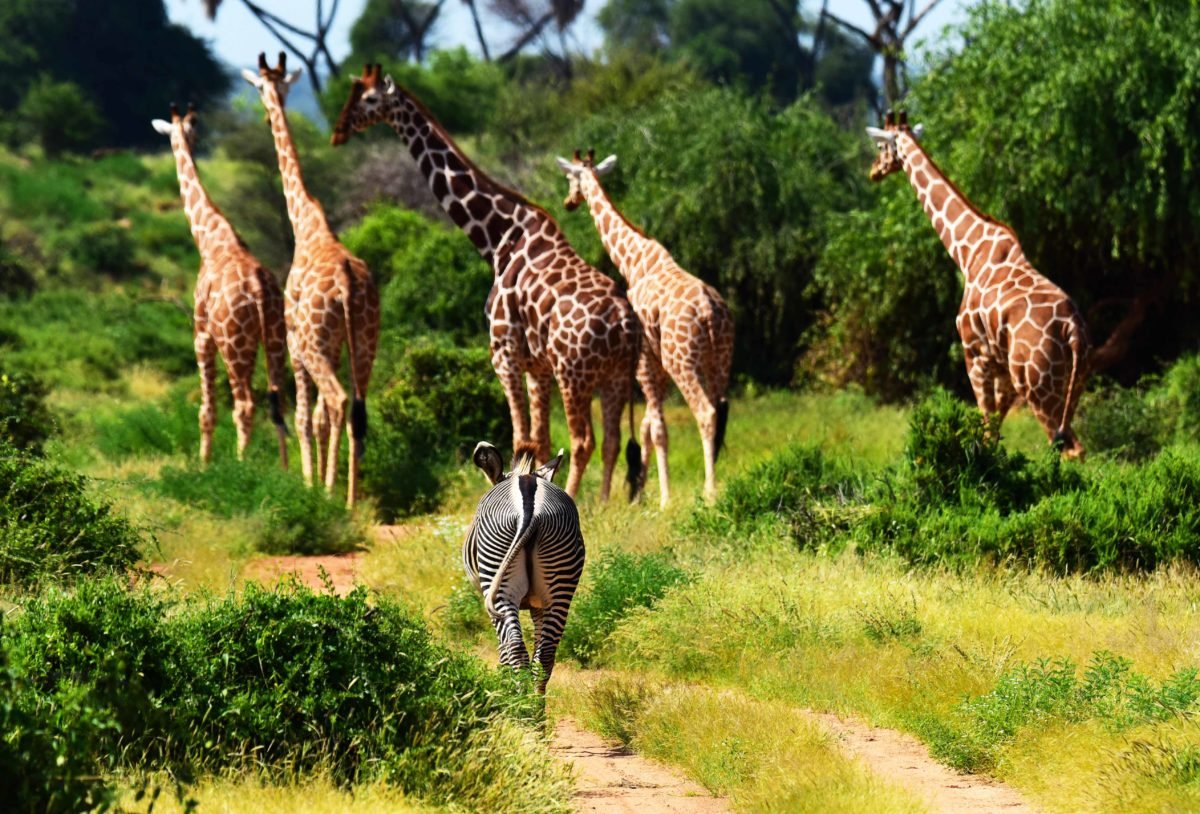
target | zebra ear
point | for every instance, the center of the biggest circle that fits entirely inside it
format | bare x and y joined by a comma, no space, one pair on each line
488,459
548,470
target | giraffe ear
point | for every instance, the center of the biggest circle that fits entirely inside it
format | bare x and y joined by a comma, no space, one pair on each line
161,126
548,470
565,165
291,78
918,131
389,85
488,459
251,77
605,166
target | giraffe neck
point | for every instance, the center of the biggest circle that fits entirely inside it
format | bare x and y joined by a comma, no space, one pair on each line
210,229
961,227
305,213
488,212
622,240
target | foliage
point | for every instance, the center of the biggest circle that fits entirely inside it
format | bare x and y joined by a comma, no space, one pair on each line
43,39
58,116
292,518
1124,423
1125,136
759,247
441,401
282,682
51,528
465,616
1033,694
620,583
431,278
24,420
785,488
83,340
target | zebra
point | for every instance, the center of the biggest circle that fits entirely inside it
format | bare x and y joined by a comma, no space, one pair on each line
524,549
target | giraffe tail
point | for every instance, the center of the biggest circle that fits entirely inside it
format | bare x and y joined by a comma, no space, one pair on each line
1077,339
272,373
358,408
633,450
722,420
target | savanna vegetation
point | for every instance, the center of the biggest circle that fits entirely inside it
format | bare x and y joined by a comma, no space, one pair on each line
876,550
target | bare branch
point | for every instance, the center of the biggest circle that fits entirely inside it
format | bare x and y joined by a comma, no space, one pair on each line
915,19
532,33
873,39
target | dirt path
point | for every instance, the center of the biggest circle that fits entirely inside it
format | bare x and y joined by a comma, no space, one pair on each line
613,780
904,760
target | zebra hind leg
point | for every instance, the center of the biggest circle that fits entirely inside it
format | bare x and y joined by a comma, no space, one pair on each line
549,627
508,631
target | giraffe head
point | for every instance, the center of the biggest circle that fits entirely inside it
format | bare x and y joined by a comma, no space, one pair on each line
184,126
889,160
277,77
575,170
488,459
368,103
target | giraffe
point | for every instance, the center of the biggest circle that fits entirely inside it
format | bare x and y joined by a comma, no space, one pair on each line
1022,335
552,317
238,303
687,326
329,299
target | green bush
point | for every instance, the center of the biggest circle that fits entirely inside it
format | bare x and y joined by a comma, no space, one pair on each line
431,278
283,682
1125,423
620,582
465,616
291,518
50,528
102,248
24,420
442,401
1108,691
58,115
788,487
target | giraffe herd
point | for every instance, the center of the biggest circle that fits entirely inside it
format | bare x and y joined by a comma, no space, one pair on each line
554,320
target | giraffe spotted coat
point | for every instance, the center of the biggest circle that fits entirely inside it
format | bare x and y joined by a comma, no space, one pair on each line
552,317
688,328
330,300
1023,337
238,304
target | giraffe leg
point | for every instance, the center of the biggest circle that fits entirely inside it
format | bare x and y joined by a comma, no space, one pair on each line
206,360
578,406
366,337
275,350
243,404
514,392
320,434
304,429
704,409
541,386
614,395
982,375
654,382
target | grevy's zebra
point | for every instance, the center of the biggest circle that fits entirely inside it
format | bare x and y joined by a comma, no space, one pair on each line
524,549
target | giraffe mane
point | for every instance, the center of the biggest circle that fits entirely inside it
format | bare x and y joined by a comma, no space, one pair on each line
953,186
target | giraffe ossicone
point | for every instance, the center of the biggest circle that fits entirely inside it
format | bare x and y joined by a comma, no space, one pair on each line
687,327
238,303
330,300
552,318
1022,336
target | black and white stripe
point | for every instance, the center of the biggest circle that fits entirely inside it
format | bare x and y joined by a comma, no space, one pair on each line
525,550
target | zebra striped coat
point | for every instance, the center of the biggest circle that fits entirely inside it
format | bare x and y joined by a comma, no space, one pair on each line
524,549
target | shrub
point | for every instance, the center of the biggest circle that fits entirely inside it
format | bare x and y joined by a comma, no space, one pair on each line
104,248
1124,422
786,487
292,518
1108,691
283,682
24,420
58,115
50,528
465,616
442,401
431,277
620,583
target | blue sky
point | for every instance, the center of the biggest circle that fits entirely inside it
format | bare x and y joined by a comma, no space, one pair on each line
237,36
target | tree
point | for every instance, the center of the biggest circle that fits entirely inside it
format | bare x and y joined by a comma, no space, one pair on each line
81,43
887,39
58,116
292,36
394,30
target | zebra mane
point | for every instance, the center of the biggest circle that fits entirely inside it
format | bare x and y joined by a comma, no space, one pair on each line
524,458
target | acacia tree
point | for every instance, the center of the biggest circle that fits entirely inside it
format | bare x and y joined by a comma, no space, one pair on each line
292,36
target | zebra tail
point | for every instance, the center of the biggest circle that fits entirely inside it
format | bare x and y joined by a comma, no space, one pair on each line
525,487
